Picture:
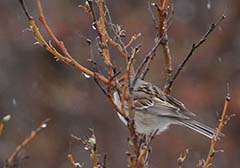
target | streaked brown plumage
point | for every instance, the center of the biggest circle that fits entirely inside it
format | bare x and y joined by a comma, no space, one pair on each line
155,111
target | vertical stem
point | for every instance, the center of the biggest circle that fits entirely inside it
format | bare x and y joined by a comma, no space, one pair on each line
162,30
104,37
218,132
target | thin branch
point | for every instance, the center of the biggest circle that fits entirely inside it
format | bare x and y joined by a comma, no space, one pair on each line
146,61
92,57
169,84
162,32
3,121
72,161
147,67
164,4
100,86
127,98
162,28
103,37
142,155
182,158
110,98
1,127
105,161
126,84
26,141
145,149
222,123
90,144
133,38
22,3
42,19
152,14
53,51
118,33
167,59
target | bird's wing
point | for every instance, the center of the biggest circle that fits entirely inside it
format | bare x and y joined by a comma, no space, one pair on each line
158,107
179,105
143,103
151,99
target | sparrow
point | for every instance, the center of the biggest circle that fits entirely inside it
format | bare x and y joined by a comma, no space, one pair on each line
155,111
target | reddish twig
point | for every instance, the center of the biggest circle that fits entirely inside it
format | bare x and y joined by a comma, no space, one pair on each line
68,60
119,33
222,123
26,141
141,157
3,121
162,33
103,37
59,43
1,127
127,80
72,161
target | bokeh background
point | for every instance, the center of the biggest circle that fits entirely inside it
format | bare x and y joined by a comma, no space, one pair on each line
34,87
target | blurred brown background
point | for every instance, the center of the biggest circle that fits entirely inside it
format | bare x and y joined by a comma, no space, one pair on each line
34,87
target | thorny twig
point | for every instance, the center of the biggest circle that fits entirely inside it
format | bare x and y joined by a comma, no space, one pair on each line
168,86
26,141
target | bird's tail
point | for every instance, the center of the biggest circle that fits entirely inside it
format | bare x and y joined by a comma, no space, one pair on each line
200,128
